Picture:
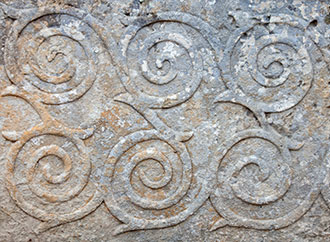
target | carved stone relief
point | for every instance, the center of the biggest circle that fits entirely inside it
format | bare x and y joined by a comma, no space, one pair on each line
165,120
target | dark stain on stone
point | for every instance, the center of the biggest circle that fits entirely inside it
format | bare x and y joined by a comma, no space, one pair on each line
327,19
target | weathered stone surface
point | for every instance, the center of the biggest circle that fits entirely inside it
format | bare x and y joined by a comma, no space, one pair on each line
165,120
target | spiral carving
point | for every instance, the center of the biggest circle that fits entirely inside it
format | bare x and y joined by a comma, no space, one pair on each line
164,58
51,61
147,175
48,170
54,53
259,192
275,59
255,183
160,175
163,70
270,63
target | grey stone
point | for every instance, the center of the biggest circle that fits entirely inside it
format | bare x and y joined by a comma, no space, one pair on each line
164,120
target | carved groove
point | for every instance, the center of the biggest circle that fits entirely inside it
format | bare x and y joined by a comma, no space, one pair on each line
151,178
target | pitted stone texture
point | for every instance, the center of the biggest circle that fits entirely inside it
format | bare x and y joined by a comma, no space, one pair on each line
140,120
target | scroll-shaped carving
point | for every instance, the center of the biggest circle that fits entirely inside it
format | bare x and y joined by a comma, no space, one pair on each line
268,65
163,57
148,180
54,53
48,170
258,182
159,176
48,177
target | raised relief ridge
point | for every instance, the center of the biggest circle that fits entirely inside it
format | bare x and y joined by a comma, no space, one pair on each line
151,179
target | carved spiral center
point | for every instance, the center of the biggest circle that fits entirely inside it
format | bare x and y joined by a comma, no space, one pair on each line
52,173
48,151
274,58
259,192
53,58
166,173
273,64
165,49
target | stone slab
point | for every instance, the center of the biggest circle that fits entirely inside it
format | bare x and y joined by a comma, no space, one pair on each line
147,120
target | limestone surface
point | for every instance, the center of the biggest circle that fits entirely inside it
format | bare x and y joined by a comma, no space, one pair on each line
164,120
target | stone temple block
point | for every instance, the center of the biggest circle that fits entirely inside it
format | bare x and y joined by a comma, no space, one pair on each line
164,120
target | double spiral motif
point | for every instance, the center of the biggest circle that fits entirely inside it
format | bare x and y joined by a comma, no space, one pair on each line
148,179
267,67
150,172
51,56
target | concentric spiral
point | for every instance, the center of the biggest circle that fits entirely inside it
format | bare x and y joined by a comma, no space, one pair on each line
274,61
54,54
53,187
148,176
270,63
163,69
259,192
256,184
164,58
48,176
